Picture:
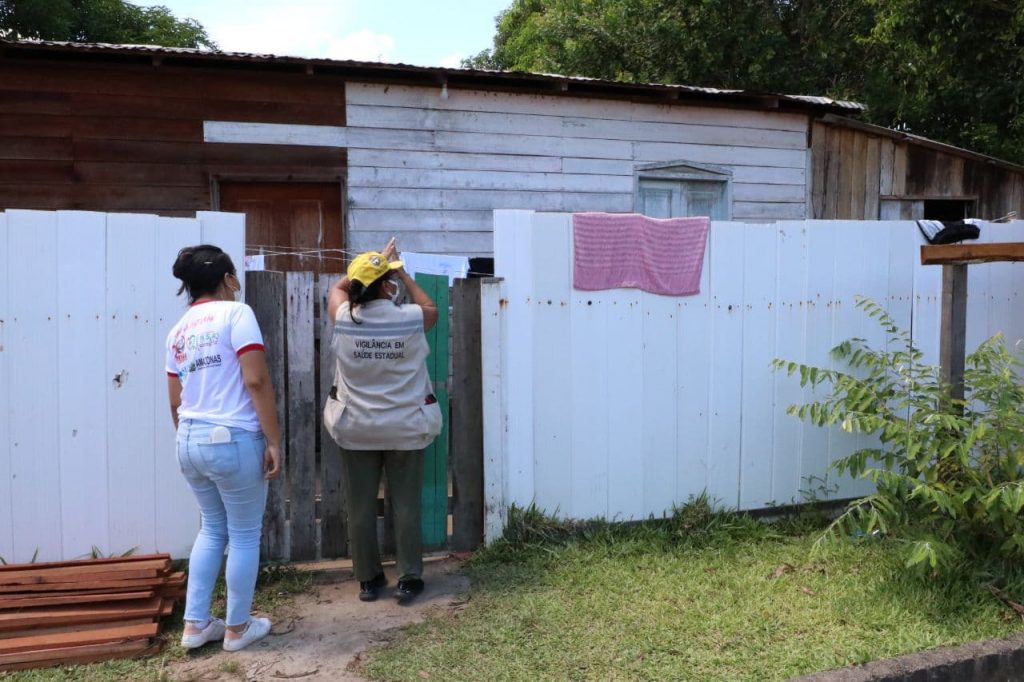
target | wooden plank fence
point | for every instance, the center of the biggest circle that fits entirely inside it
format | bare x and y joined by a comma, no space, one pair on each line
306,517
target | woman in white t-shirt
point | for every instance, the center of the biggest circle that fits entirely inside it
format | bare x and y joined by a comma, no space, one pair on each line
382,411
228,441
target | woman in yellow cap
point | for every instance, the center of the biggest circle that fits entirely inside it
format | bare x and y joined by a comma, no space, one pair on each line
382,411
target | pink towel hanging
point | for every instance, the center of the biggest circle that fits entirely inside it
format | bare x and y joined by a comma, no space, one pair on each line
628,250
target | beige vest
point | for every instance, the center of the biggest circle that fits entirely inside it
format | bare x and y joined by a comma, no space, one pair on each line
382,397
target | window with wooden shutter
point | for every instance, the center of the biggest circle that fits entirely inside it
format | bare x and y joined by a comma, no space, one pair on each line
682,189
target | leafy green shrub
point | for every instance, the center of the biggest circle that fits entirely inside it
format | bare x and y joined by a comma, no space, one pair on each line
948,472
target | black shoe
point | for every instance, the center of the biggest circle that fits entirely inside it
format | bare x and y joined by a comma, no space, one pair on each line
368,589
407,589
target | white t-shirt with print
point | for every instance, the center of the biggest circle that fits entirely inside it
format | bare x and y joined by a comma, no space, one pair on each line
203,351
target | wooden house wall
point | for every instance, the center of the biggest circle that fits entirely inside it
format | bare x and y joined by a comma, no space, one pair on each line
117,137
856,175
430,169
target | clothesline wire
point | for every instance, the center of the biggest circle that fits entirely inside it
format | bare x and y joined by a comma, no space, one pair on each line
272,251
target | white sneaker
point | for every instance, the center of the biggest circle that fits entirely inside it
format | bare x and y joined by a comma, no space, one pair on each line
258,629
213,631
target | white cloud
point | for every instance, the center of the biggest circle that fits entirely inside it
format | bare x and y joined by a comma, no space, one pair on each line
451,61
364,45
304,29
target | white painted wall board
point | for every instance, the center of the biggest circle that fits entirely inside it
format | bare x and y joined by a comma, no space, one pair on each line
463,243
754,211
821,254
82,411
513,248
721,155
790,340
227,230
509,180
428,199
590,408
658,389
494,123
132,358
726,362
492,334
6,520
693,373
34,385
175,508
978,288
743,192
274,133
433,160
624,339
473,100
927,309
760,262
853,250
549,313
411,220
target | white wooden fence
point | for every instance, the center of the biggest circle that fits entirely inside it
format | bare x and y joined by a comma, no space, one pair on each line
86,441
620,404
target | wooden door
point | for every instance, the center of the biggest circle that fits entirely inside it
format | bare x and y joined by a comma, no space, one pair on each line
301,220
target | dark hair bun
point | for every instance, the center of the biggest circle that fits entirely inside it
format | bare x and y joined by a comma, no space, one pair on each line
201,269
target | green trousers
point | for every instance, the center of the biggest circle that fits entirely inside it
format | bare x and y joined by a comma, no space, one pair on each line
403,469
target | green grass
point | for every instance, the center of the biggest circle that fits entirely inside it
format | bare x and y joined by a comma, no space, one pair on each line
689,598
275,587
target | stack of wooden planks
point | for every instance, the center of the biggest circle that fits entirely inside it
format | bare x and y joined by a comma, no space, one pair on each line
72,612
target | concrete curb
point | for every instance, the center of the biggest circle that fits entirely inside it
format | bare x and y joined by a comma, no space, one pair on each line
989,661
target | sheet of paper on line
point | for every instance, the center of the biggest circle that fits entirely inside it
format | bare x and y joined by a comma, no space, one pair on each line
436,264
254,263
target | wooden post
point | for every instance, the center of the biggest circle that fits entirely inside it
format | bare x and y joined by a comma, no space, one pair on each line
302,417
953,327
333,532
467,456
264,293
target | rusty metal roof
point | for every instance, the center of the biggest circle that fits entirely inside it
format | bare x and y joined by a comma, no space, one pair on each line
543,83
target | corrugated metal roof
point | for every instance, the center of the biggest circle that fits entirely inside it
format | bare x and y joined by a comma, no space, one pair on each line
482,77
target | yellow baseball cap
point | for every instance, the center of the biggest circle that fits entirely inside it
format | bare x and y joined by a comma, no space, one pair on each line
366,268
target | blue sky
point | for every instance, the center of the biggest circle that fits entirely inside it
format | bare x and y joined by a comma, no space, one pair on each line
425,32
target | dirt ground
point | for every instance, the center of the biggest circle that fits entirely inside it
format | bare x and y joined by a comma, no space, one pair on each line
321,633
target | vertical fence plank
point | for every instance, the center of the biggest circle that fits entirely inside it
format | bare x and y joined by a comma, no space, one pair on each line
467,418
493,334
760,262
726,362
264,293
81,413
820,275
590,410
659,399
333,532
32,343
790,333
6,488
694,375
513,234
177,517
434,519
624,417
549,314
302,416
131,376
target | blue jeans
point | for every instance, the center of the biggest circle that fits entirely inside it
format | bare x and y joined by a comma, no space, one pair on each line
227,479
